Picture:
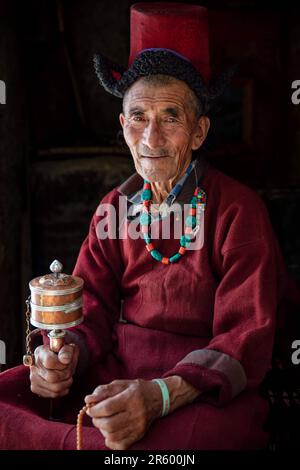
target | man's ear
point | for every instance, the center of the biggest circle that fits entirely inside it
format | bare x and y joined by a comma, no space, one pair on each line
201,131
122,119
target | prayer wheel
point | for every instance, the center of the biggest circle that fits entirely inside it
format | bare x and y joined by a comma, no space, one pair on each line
56,299
55,304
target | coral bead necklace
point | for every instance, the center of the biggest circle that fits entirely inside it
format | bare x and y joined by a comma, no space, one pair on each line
199,198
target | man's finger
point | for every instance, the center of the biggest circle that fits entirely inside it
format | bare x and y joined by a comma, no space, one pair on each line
48,359
105,391
122,444
36,378
46,389
66,354
109,406
46,393
114,436
113,423
54,376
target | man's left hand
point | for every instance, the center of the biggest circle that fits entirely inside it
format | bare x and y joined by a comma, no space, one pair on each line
123,410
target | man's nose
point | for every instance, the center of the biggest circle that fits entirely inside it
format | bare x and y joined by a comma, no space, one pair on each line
153,135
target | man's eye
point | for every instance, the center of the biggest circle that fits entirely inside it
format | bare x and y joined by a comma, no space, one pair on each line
137,118
171,119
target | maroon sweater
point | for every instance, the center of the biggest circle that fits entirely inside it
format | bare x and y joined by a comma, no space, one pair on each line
210,317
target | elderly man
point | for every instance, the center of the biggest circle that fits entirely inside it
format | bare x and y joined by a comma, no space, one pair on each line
178,331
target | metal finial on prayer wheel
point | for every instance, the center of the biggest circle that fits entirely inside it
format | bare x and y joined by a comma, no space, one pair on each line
56,267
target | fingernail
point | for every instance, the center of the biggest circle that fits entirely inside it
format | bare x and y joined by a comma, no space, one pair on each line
65,355
90,399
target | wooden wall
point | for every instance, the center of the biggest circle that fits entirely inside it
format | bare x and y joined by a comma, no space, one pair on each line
13,182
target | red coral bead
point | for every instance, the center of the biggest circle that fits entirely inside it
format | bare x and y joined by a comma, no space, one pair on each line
150,247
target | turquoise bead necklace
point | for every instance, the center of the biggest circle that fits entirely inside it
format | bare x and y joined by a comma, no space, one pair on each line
199,198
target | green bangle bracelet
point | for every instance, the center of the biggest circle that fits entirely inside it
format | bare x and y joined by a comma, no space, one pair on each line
165,396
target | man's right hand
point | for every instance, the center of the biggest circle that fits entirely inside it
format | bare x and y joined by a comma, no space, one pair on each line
52,374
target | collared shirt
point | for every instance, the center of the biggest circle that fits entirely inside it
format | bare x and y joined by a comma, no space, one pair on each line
188,184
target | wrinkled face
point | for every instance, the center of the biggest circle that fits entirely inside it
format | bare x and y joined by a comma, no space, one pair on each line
161,129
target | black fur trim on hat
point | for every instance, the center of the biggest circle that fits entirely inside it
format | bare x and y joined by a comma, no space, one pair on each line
155,62
104,68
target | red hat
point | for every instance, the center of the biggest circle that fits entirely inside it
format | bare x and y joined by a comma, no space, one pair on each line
174,26
168,39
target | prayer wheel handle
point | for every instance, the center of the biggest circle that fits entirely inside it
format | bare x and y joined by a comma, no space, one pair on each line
57,341
56,336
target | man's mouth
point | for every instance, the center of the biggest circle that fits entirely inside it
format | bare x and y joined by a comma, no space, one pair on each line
157,157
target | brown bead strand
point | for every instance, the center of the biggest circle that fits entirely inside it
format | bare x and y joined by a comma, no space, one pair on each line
79,433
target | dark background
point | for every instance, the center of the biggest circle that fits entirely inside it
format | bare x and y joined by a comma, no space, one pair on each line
59,152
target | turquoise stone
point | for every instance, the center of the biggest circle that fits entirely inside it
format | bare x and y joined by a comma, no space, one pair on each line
147,238
145,219
146,195
156,255
175,258
183,241
190,221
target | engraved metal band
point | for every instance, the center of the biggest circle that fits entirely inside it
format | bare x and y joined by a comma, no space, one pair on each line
41,291
67,308
54,326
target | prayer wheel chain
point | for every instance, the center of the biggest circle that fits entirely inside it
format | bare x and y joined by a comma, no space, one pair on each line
27,314
28,358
